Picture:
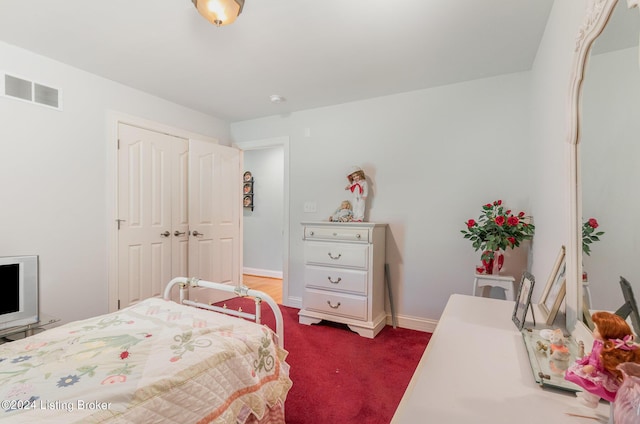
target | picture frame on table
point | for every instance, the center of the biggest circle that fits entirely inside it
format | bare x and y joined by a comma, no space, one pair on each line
586,316
555,290
629,308
523,300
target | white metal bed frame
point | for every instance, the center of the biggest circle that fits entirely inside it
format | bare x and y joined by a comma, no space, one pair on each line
239,291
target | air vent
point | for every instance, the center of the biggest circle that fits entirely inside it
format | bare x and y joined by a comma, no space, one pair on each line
45,95
22,89
16,87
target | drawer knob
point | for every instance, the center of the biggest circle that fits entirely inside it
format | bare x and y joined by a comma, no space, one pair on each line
335,257
358,235
310,233
335,234
332,306
336,281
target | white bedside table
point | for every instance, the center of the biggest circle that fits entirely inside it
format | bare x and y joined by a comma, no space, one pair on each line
486,281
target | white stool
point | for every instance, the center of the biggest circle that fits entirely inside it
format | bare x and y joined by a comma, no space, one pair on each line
507,282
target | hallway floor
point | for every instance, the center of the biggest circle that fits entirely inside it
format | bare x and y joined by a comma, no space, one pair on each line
271,286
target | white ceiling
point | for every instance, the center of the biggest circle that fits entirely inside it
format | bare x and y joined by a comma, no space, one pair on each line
313,52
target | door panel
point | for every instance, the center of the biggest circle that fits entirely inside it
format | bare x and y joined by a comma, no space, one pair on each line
201,190
226,264
134,265
227,214
215,186
144,208
180,209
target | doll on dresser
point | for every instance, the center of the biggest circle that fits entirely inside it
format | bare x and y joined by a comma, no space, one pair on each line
358,187
596,373
343,214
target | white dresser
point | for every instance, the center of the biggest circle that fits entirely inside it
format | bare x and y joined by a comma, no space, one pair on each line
476,369
344,275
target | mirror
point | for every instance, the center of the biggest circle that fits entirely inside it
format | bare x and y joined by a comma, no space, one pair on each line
608,156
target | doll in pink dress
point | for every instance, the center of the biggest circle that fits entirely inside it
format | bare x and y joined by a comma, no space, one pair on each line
358,187
596,373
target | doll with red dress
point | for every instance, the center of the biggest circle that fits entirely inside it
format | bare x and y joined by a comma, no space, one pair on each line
358,187
596,373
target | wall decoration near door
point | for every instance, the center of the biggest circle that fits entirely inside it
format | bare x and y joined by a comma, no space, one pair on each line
247,190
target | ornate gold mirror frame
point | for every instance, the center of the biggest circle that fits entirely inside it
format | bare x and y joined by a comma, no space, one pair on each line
597,16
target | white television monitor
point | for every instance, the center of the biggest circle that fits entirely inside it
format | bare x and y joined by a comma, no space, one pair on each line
19,288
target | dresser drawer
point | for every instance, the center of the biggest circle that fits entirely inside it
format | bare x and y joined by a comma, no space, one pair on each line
346,305
337,254
344,280
336,233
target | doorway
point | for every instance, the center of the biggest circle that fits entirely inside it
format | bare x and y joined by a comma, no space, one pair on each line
266,226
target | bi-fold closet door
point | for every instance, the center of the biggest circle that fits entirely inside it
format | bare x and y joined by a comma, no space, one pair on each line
178,212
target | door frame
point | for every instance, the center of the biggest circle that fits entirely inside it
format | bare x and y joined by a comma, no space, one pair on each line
284,143
114,119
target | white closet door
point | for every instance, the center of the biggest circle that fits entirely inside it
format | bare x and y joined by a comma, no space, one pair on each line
215,187
144,210
180,209
179,206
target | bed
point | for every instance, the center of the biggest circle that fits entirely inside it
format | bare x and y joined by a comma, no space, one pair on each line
156,361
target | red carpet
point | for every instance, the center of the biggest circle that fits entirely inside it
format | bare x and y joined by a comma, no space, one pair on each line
342,378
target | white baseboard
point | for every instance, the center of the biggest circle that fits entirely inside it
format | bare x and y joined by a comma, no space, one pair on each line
293,302
262,272
413,323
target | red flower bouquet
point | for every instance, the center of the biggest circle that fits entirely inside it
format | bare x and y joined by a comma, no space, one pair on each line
497,228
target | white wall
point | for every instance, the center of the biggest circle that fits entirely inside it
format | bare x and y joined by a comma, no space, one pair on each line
262,248
432,157
54,176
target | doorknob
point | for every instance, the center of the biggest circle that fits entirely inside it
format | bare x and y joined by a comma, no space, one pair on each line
178,233
165,234
196,233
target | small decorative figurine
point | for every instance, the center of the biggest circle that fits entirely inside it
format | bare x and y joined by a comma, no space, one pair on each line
343,213
560,355
541,347
557,342
597,373
358,186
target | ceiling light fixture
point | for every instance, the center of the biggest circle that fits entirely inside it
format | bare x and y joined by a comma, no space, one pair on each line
219,12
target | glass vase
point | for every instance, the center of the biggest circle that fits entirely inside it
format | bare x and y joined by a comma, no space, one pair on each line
626,406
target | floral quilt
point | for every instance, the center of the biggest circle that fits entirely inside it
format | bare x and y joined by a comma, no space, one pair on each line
156,361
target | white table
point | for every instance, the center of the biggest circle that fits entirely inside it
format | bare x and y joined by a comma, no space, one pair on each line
475,369
507,282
